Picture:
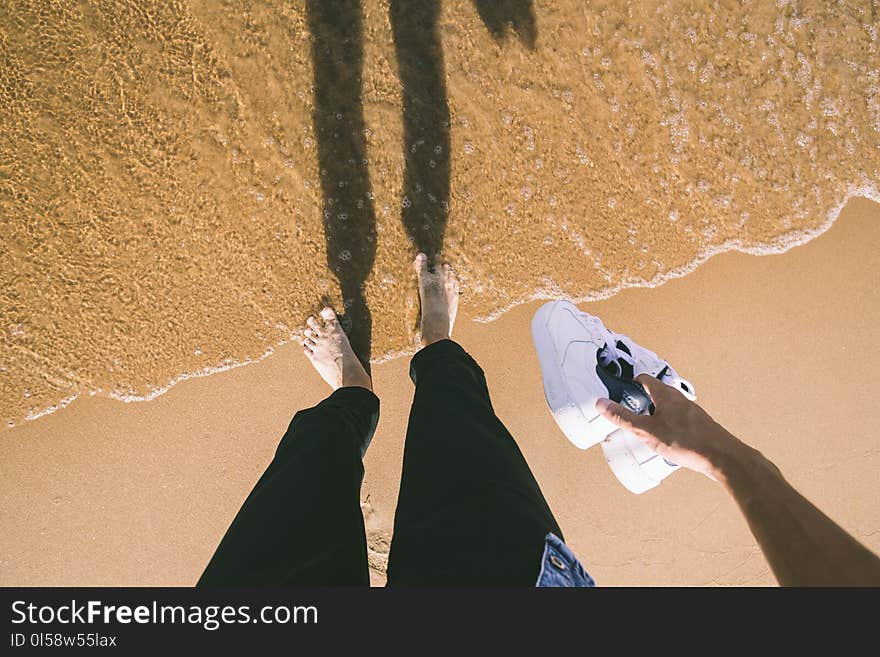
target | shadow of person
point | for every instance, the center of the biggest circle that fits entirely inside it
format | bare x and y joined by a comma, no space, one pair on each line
338,116
422,74
349,215
425,203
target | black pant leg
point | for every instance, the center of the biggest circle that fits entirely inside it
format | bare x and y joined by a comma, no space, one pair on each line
302,524
469,511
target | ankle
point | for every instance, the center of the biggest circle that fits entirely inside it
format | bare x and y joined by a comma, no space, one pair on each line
357,381
429,338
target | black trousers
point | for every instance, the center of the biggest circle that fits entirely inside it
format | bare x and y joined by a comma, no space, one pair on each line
469,510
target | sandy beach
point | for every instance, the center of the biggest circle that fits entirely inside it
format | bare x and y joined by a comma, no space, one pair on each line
182,184
780,348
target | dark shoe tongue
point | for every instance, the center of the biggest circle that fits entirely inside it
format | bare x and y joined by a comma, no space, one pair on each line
619,367
607,362
626,369
625,391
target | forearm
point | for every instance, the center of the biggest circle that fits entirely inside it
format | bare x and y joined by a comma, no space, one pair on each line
803,546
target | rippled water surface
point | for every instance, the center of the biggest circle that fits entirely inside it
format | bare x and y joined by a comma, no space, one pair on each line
181,183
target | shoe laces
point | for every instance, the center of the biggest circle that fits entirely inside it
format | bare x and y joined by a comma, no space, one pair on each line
610,357
618,356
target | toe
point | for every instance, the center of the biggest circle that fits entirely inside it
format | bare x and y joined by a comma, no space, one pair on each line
420,264
313,324
329,315
450,276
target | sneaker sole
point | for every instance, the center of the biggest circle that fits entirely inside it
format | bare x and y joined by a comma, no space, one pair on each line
573,410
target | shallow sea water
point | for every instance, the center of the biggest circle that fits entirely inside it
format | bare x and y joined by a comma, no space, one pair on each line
182,183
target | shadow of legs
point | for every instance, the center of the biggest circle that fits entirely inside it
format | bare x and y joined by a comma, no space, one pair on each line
349,217
425,122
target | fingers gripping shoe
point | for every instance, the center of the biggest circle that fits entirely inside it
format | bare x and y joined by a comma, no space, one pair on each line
634,464
581,361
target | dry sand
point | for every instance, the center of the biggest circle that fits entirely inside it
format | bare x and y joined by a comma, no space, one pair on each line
782,350
182,182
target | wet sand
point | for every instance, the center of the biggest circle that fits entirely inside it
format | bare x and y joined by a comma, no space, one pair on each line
182,183
781,349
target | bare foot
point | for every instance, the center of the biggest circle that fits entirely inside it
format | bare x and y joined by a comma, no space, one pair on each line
438,291
327,346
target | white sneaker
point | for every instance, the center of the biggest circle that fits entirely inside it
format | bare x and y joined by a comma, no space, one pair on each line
581,361
635,465
630,354
570,346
